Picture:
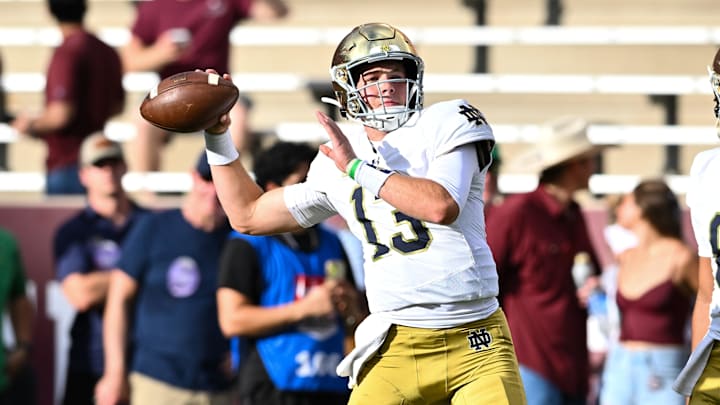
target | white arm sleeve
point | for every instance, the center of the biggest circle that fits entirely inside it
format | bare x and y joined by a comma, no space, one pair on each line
454,171
307,205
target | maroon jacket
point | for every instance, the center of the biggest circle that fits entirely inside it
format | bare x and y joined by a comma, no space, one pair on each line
534,241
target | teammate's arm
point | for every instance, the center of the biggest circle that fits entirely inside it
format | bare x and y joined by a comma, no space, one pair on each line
701,312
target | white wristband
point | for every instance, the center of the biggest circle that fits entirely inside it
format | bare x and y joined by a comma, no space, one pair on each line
371,178
220,148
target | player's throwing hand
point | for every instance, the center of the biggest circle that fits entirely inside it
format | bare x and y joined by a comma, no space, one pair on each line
341,152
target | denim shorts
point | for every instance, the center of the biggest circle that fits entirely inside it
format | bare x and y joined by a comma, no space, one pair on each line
642,376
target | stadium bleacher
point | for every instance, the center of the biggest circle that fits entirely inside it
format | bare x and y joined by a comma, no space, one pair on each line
602,63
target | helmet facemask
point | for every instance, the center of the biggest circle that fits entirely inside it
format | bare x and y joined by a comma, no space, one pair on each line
366,45
383,118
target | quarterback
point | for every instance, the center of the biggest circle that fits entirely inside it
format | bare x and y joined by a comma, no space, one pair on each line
409,182
699,379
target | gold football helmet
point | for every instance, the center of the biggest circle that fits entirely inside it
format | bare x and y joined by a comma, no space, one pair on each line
367,44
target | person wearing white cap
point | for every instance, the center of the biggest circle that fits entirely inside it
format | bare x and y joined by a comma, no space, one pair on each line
699,378
536,238
86,247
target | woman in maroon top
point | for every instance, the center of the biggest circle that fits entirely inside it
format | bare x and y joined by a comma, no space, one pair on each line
656,283
535,238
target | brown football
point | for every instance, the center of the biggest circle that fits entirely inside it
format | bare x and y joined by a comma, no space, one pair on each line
189,101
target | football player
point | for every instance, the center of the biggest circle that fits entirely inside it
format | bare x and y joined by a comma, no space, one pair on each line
699,378
409,182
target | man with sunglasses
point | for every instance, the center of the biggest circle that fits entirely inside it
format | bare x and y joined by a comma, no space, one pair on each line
86,247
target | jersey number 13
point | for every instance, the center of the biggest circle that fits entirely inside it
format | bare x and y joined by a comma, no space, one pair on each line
419,241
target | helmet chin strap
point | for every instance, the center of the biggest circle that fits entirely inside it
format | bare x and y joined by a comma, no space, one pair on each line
331,101
388,118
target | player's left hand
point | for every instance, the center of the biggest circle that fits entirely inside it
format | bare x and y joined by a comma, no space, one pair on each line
341,152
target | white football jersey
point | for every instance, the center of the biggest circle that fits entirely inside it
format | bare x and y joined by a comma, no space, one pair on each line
703,199
425,274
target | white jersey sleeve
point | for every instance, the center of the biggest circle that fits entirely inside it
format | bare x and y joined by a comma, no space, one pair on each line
454,123
454,171
307,206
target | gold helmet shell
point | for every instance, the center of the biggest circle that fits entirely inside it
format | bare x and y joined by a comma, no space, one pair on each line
367,44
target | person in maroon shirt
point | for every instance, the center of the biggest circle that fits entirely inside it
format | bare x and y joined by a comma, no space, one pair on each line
173,36
535,238
83,90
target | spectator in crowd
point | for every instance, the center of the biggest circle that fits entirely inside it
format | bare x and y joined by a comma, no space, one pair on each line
173,36
87,247
698,379
161,313
15,363
409,184
536,238
656,280
282,294
83,90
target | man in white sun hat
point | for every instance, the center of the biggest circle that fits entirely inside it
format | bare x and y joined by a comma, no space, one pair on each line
536,238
